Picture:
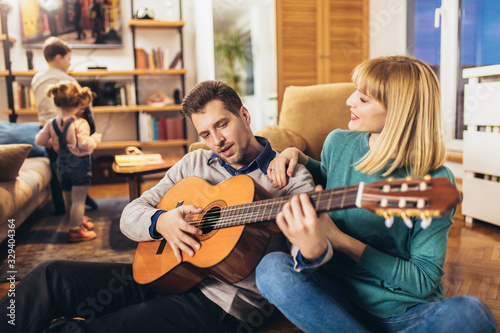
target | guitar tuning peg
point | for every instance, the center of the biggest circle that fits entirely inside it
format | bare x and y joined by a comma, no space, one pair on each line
423,186
426,220
420,203
406,220
389,220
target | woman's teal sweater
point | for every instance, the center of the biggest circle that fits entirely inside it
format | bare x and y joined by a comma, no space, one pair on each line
400,267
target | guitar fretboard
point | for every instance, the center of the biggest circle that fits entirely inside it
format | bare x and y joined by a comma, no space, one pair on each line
267,210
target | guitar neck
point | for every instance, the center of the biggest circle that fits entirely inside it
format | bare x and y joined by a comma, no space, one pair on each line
267,210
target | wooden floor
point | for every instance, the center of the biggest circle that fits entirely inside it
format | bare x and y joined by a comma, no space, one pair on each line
472,264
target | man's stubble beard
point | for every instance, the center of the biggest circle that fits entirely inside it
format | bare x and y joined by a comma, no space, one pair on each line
239,156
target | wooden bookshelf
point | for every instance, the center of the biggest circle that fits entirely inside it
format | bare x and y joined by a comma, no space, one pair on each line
103,72
4,37
153,24
132,76
111,109
21,111
152,144
148,108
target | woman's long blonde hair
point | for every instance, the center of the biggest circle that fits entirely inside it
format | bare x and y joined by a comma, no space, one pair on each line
409,91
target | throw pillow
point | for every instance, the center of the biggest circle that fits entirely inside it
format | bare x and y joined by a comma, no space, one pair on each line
280,138
11,159
21,133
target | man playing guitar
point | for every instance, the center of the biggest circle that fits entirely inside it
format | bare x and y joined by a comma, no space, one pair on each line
59,289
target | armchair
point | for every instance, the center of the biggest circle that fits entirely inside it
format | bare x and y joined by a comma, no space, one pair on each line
308,115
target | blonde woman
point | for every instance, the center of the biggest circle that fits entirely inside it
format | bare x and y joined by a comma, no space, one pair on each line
70,137
348,272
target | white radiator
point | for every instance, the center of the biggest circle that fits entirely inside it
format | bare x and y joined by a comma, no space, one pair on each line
481,159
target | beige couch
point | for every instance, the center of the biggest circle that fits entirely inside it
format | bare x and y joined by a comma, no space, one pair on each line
24,185
307,115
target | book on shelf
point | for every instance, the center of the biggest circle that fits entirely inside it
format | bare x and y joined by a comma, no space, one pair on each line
150,60
141,60
138,160
130,94
123,96
176,60
23,95
32,99
174,128
143,126
160,128
127,95
15,95
152,129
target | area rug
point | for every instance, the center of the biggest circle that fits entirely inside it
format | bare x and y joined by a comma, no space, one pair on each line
45,237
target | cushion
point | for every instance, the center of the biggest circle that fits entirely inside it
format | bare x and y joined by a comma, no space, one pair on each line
11,159
280,138
21,133
198,145
314,111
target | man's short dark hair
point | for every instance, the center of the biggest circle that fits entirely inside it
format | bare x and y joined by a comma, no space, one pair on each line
207,91
54,46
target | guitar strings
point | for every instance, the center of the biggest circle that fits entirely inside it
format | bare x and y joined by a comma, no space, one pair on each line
217,217
212,219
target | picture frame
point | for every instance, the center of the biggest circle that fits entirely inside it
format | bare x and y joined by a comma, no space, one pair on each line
80,23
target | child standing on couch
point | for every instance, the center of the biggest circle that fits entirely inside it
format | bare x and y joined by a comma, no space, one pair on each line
70,137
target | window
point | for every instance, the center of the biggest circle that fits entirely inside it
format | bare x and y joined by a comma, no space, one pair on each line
467,35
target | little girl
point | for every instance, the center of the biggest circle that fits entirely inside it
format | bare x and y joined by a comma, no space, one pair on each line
70,136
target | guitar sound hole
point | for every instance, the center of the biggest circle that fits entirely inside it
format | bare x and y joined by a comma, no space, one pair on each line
210,220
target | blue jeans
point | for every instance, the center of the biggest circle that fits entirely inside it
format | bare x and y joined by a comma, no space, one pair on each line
315,304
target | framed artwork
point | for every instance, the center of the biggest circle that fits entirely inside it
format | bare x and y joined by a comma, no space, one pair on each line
80,23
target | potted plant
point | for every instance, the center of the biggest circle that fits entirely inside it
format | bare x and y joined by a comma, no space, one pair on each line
232,52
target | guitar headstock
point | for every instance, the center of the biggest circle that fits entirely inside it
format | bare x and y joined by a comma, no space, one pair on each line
425,198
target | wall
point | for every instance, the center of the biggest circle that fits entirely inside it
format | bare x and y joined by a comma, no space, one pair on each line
387,27
257,17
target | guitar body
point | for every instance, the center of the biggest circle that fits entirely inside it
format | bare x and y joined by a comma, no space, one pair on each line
228,254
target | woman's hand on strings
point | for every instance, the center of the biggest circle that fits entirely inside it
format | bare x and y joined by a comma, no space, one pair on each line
300,223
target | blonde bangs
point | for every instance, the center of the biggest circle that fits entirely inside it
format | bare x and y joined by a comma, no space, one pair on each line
369,81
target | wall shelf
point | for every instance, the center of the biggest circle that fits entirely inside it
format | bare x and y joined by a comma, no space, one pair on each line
153,24
111,109
4,37
153,144
103,72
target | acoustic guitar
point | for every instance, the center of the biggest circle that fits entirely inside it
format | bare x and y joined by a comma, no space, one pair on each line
237,222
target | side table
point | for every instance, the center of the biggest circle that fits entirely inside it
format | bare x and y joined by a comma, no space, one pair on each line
135,173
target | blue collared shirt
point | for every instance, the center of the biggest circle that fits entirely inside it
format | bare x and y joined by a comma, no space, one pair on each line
260,162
